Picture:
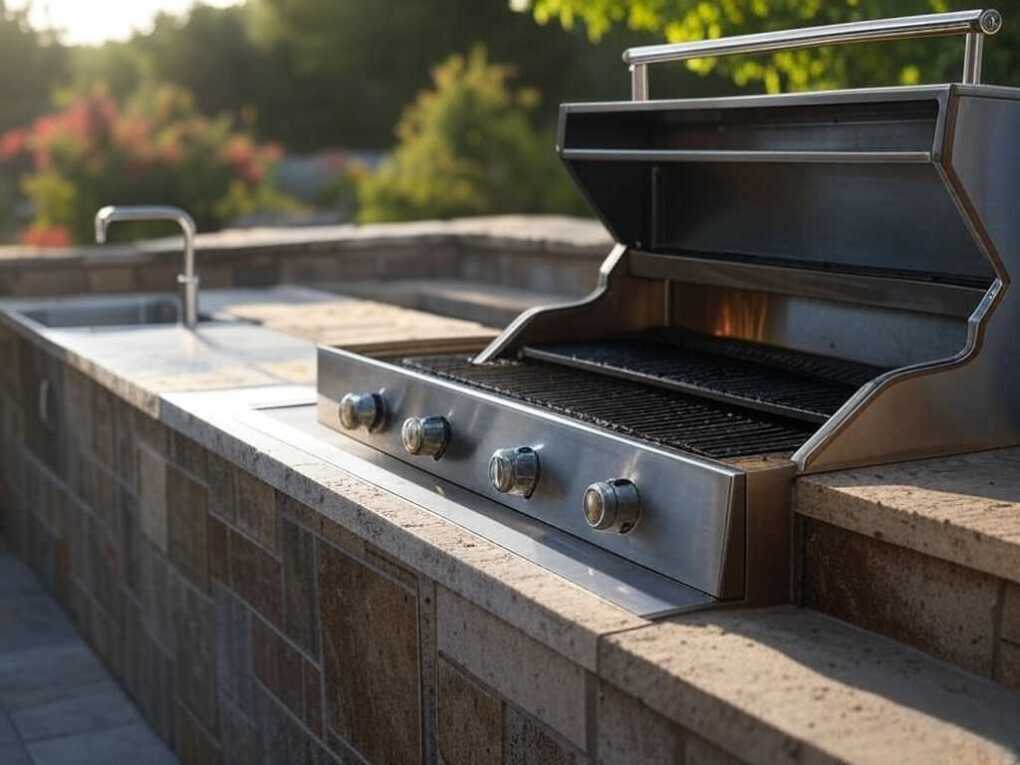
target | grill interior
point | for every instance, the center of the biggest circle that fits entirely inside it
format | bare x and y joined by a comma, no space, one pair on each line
665,417
713,397
799,385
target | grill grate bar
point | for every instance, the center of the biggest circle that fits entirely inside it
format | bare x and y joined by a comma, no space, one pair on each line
665,417
788,383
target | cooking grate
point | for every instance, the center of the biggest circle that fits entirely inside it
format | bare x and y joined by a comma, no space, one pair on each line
664,417
789,383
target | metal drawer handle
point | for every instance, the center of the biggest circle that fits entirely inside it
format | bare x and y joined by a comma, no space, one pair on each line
974,24
44,403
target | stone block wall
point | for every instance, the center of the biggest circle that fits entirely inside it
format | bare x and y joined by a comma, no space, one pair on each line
961,615
250,628
537,253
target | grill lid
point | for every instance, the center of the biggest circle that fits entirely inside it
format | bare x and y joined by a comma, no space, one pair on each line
849,181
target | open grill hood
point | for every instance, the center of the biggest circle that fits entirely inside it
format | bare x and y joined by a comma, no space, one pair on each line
871,226
848,182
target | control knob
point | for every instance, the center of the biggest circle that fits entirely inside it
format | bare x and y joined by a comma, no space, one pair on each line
514,471
425,435
612,505
362,410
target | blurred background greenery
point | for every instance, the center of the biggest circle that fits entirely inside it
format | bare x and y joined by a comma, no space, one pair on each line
317,111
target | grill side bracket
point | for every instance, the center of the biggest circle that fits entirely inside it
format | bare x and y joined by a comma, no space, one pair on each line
970,401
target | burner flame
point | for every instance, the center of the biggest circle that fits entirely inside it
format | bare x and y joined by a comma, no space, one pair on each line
742,315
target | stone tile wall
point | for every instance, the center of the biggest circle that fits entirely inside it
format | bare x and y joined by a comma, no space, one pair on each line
566,265
249,628
955,613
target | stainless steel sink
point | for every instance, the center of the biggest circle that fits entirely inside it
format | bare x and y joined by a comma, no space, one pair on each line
115,312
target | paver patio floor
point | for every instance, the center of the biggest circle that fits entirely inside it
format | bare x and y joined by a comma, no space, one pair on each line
58,704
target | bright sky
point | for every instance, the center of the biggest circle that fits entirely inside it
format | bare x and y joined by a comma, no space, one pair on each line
90,22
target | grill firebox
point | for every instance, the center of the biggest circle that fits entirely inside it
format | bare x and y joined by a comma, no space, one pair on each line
799,385
656,415
800,283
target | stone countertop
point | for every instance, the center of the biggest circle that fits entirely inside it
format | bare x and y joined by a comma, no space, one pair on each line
963,509
771,685
550,234
816,689
273,344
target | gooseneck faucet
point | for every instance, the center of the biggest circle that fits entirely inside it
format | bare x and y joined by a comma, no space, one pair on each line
187,280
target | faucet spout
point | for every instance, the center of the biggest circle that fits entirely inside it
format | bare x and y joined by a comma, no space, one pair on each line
187,279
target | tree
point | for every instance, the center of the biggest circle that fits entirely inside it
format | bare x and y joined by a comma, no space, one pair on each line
467,147
31,64
354,66
325,73
905,62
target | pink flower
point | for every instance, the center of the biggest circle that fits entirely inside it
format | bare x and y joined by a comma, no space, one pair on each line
39,235
13,142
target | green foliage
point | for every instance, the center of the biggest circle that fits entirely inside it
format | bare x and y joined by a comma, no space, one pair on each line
155,150
467,147
341,193
121,67
352,66
30,64
326,73
900,63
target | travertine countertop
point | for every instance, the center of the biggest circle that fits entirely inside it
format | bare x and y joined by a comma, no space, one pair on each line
963,509
275,345
771,685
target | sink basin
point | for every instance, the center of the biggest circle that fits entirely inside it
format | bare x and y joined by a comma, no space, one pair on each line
114,312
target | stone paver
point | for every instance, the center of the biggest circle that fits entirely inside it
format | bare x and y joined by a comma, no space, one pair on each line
31,619
134,743
964,509
14,754
57,703
88,709
7,733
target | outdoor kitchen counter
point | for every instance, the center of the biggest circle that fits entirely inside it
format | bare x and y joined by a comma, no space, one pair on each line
273,342
563,668
963,509
925,552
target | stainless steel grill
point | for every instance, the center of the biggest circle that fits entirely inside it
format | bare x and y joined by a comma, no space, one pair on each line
801,283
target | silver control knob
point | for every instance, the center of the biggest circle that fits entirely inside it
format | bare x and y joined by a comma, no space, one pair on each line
612,505
425,435
514,471
362,410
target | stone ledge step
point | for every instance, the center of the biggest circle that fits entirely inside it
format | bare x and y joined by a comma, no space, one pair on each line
925,552
790,685
963,509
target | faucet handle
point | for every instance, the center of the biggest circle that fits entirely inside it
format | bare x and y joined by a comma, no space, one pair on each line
187,280
113,213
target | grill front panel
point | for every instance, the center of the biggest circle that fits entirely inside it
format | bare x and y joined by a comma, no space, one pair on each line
691,525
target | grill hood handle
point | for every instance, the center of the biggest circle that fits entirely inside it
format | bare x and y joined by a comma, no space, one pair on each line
974,24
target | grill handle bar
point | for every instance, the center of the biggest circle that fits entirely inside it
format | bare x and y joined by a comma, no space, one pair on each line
974,24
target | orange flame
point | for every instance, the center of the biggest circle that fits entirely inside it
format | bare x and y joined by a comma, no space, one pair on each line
742,315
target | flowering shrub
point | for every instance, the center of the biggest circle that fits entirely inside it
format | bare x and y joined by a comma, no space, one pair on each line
156,149
468,147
